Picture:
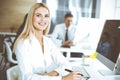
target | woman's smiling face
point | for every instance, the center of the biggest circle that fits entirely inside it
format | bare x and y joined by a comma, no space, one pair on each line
41,18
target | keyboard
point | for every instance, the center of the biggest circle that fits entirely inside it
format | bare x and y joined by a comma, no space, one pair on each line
86,76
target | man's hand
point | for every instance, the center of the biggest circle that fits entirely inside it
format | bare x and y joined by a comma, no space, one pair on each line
67,43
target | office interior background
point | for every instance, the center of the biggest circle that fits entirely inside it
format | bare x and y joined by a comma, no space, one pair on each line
12,13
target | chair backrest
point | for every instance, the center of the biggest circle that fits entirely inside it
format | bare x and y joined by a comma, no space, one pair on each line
12,73
9,52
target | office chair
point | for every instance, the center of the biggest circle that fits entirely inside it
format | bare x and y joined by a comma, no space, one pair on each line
12,73
9,52
7,56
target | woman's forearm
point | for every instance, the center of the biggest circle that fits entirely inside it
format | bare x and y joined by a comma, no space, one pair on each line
53,73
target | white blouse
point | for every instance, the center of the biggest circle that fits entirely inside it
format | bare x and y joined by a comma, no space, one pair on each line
32,61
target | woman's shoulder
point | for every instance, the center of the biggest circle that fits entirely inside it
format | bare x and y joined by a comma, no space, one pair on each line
23,42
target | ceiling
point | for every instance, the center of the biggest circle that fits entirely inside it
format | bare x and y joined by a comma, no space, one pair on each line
12,13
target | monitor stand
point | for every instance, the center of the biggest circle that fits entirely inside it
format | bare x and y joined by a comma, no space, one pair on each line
116,70
107,72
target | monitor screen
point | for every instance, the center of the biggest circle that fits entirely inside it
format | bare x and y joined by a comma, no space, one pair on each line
109,43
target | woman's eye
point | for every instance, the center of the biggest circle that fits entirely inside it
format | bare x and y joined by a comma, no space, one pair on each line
37,15
46,15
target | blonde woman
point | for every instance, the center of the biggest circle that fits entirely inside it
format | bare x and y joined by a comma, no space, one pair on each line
38,58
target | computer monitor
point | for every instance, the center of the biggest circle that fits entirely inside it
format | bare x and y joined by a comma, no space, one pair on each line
108,47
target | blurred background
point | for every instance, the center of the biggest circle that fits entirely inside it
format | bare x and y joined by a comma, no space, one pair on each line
12,12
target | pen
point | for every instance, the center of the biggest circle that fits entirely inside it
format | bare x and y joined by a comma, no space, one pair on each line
72,71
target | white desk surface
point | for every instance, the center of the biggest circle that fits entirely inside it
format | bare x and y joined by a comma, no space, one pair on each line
93,69
93,65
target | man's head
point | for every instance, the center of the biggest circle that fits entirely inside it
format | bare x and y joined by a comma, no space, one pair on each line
68,18
105,37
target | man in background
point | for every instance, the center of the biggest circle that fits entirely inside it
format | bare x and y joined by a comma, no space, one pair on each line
104,44
64,33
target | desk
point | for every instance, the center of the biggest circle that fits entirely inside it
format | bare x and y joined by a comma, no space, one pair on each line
93,68
87,52
91,65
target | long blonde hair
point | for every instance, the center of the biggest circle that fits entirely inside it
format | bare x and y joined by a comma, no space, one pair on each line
28,27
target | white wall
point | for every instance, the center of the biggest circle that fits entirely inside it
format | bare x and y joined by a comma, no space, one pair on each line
110,9
107,9
117,9
90,26
39,1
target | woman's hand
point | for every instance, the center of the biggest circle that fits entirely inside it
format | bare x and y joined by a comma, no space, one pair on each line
72,76
53,73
